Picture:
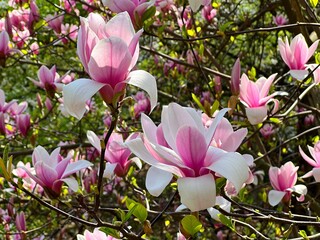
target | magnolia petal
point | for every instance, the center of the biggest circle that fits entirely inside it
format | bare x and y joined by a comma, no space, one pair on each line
136,161
222,203
181,208
157,180
299,188
211,130
197,193
308,174
72,183
316,174
256,115
274,197
47,174
195,4
76,93
232,166
137,147
75,167
147,82
307,158
109,170
94,140
39,153
299,74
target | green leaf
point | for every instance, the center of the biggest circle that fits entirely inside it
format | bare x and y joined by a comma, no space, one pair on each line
223,27
303,234
151,11
226,221
197,101
139,210
110,232
313,3
191,224
214,107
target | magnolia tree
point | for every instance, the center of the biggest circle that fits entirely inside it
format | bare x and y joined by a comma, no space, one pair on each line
159,119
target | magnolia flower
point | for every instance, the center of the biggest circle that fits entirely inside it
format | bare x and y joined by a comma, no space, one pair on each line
208,13
296,55
108,52
195,4
51,171
117,154
49,79
316,72
135,8
235,78
280,20
95,235
180,145
314,161
283,180
23,123
254,95
54,22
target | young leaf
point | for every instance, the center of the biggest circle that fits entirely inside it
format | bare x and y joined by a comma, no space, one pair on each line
191,224
110,232
226,221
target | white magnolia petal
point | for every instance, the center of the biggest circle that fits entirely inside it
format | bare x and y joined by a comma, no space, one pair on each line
76,93
316,174
197,193
80,237
137,148
222,203
137,162
232,166
147,82
72,183
256,115
274,197
109,170
299,74
157,180
181,208
94,140
300,188
195,4
211,130
76,167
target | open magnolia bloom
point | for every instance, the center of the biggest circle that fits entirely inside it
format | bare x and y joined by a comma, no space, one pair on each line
195,4
296,55
254,95
51,171
314,161
180,146
117,154
283,181
108,52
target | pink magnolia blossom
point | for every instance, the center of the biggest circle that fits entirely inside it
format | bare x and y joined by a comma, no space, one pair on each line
180,145
108,52
267,130
280,20
34,47
142,104
314,161
195,4
51,171
235,78
135,8
5,50
254,95
95,235
283,180
23,123
296,55
49,80
117,154
21,222
55,22
208,13
316,72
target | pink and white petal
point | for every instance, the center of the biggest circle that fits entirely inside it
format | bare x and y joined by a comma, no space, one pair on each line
39,154
197,193
274,197
307,158
233,167
33,177
299,188
146,82
62,165
109,170
299,74
75,167
312,49
72,183
47,174
134,48
136,161
308,174
234,140
316,174
149,129
211,130
173,117
76,93
222,203
52,161
94,140
256,115
120,26
157,180
138,148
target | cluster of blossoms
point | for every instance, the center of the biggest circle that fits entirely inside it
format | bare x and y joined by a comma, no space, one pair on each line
13,118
